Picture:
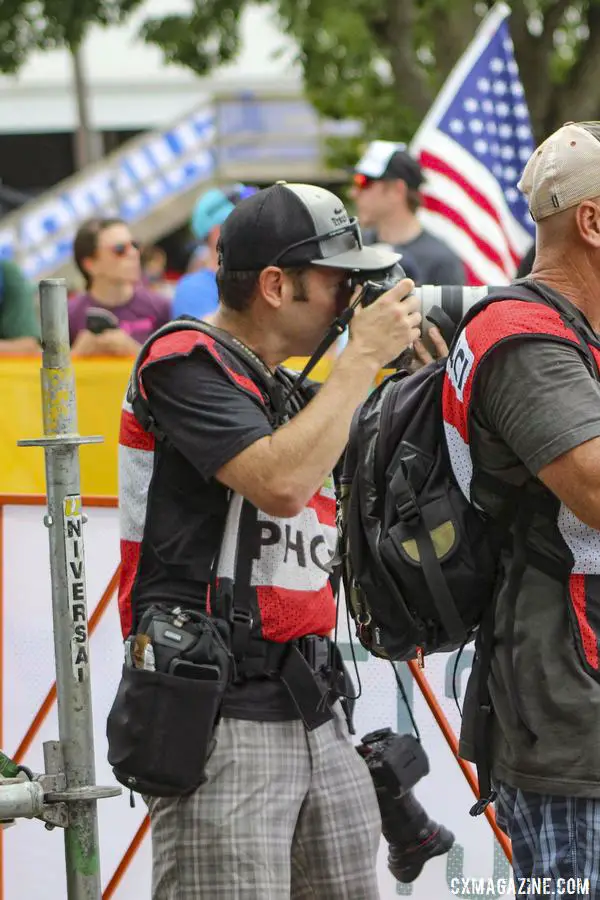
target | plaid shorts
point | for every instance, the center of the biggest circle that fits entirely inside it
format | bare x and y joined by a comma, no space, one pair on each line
285,813
552,837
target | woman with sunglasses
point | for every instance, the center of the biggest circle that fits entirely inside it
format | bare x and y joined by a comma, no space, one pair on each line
117,312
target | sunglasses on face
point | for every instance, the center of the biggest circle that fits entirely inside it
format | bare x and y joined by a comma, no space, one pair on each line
352,227
362,182
122,248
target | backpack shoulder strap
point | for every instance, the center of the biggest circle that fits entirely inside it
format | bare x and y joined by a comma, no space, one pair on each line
534,292
571,320
260,373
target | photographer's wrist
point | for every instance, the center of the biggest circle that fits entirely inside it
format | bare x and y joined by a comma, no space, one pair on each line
357,356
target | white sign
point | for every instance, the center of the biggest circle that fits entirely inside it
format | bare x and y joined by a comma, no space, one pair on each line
73,534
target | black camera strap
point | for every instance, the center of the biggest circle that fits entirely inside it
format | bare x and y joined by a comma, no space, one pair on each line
335,330
263,376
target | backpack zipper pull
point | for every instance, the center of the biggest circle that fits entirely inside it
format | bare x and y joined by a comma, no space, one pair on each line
420,658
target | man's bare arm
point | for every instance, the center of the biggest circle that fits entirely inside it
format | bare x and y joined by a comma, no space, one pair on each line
280,473
575,479
23,345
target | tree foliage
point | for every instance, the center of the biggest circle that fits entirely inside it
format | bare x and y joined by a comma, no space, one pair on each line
27,25
380,62
383,61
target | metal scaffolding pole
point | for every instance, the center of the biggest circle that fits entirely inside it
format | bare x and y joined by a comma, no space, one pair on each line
74,753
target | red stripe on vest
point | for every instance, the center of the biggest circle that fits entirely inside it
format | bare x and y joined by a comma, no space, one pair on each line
130,559
131,433
182,343
501,320
325,508
286,614
588,636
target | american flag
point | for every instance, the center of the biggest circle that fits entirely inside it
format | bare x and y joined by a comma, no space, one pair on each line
473,145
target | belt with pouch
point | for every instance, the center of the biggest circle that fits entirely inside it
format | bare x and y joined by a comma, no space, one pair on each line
305,666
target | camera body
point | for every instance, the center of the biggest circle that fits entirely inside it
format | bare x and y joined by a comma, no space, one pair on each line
396,763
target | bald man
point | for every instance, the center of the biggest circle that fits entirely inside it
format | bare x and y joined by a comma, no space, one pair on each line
524,376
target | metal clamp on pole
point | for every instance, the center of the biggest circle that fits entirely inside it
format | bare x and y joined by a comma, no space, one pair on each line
73,756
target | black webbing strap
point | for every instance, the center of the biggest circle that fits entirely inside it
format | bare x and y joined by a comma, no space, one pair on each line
260,372
436,582
442,321
408,510
513,586
483,714
522,556
296,663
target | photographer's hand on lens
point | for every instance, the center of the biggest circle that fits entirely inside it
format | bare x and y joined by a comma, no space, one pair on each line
388,325
439,344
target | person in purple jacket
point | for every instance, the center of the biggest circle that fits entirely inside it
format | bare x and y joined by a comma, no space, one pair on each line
117,312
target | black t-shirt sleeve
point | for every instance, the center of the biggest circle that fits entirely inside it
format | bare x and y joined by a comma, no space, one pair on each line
540,398
201,412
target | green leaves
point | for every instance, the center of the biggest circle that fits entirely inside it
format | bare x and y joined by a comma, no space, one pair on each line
27,25
381,62
207,38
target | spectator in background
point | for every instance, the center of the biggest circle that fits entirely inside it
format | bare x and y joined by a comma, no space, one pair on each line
386,192
117,312
196,293
199,258
19,326
154,264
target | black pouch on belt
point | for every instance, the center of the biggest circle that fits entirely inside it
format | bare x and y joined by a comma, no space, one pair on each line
161,726
308,692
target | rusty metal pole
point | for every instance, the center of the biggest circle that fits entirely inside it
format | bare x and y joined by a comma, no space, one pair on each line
65,521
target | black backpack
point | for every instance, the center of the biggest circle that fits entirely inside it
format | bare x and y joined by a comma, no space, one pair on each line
419,560
417,563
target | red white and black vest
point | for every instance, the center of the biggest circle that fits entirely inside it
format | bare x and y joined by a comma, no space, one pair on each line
500,322
282,565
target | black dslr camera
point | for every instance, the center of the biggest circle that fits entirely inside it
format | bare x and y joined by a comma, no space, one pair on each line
374,284
396,762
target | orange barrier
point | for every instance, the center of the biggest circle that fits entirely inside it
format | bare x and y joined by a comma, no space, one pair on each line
450,737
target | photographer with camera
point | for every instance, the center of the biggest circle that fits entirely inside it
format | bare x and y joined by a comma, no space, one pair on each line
287,807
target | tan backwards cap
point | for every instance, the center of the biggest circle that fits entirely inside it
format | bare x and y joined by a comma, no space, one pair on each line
564,170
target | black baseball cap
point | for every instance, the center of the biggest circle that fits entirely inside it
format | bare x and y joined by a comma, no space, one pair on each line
387,161
296,225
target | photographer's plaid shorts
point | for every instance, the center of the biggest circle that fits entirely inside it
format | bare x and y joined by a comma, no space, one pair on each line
285,813
553,837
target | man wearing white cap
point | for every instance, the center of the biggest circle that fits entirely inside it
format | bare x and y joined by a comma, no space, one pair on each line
522,418
386,187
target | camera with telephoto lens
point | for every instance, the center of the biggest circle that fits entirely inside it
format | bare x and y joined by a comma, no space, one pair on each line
396,762
444,304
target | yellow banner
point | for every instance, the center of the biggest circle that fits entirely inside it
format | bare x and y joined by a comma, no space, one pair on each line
100,385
